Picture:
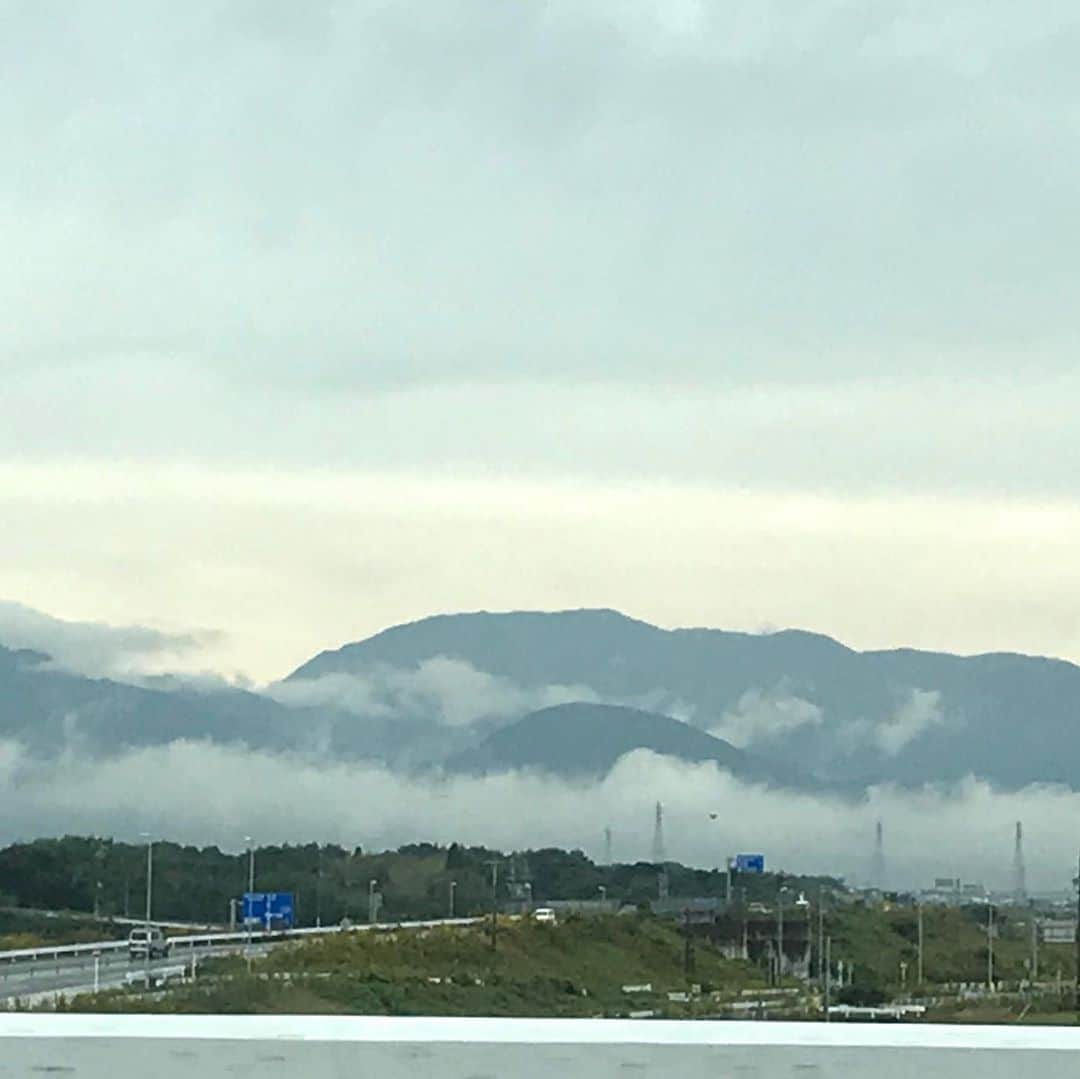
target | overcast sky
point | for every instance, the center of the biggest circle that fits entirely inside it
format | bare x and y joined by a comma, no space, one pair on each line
317,317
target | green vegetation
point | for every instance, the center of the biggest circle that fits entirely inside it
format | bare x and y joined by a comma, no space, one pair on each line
329,883
31,929
577,968
878,940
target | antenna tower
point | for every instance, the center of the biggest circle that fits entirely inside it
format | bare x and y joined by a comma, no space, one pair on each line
1019,873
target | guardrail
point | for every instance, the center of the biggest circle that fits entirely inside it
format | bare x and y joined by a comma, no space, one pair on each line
196,940
213,1047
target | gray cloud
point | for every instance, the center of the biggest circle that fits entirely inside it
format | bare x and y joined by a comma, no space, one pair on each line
452,692
765,716
357,195
920,710
206,793
97,649
448,690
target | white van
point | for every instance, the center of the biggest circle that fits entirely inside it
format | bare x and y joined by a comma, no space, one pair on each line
544,914
143,940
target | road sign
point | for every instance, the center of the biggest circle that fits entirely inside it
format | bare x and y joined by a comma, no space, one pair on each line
268,910
749,863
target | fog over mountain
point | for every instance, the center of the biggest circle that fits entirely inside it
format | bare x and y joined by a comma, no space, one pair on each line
802,700
466,714
588,740
418,695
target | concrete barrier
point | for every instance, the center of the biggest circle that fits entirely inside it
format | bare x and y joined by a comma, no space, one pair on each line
209,1047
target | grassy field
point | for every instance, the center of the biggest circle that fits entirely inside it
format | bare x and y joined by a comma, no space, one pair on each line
581,966
955,946
577,968
32,929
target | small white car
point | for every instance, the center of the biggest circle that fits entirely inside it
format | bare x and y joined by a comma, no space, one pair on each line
146,943
545,915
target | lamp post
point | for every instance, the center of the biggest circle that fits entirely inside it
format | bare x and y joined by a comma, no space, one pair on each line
453,888
919,969
251,887
149,895
251,863
372,884
780,932
821,934
727,869
603,893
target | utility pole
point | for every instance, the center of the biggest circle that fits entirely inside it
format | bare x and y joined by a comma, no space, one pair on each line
919,973
453,888
1076,946
371,911
1034,948
828,974
990,947
149,897
820,932
149,878
688,946
780,935
494,863
251,863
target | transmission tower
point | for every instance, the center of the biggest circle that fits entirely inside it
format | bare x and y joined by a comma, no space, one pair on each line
878,871
1019,873
659,853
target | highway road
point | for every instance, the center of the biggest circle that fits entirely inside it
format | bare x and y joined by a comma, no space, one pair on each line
25,976
39,979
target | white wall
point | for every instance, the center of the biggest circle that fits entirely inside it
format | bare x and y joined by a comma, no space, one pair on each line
209,1047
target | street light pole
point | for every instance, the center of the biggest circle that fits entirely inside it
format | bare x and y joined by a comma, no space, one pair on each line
149,896
371,901
1076,945
251,863
453,888
250,888
919,978
780,934
821,933
494,863
828,975
149,877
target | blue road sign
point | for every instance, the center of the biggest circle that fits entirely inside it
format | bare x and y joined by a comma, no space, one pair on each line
270,910
749,863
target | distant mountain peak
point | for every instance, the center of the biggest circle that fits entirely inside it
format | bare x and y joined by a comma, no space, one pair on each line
584,739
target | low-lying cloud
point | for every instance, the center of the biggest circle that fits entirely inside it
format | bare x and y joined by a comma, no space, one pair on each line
765,716
207,793
920,711
449,690
99,650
